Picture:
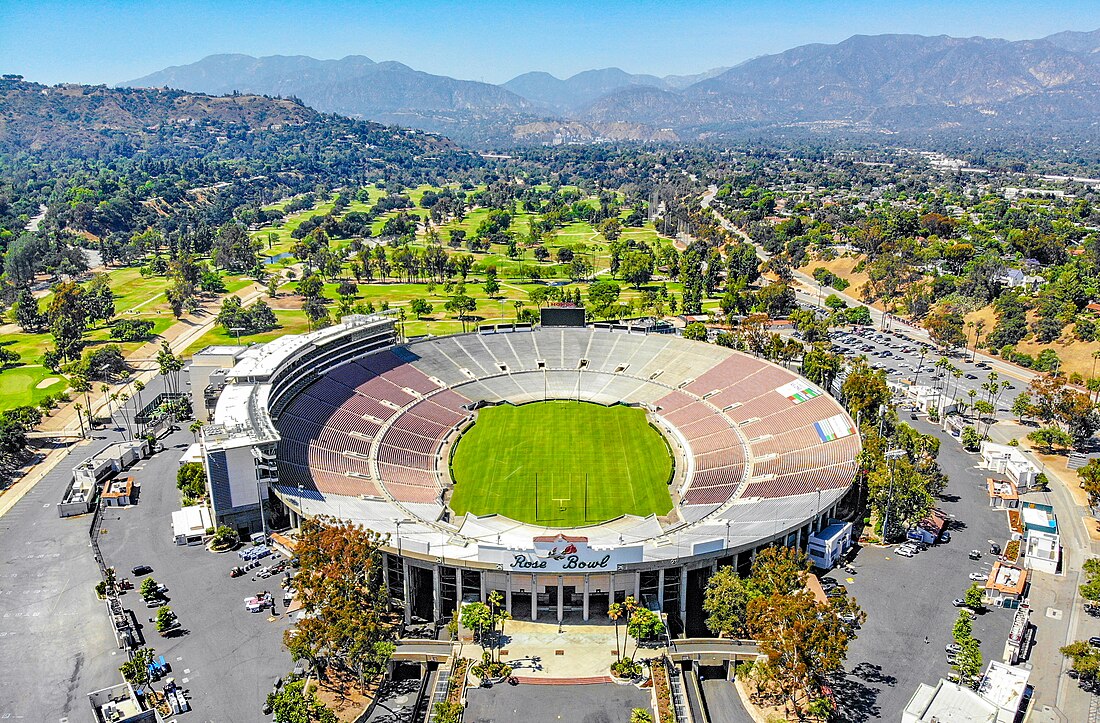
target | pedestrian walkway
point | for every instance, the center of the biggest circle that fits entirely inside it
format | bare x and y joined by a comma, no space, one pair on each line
573,651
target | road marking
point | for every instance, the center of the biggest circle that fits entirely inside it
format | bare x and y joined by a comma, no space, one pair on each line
1054,613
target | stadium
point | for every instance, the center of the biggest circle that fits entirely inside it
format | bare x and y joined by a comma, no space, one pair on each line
565,466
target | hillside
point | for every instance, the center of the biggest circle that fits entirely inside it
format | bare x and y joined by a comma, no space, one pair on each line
908,85
34,117
76,120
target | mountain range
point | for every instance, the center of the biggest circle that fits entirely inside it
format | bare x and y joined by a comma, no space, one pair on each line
880,84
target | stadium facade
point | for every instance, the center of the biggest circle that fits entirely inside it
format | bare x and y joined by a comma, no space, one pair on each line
347,422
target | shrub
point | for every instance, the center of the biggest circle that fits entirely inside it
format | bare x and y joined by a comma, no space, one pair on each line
131,329
626,668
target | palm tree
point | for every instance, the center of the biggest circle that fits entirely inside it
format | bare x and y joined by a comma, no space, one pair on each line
106,398
122,399
81,385
80,417
195,427
616,611
138,387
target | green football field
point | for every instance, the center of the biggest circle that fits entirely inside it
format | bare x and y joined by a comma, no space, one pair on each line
529,463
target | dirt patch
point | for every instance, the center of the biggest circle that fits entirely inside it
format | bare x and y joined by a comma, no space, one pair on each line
343,695
843,267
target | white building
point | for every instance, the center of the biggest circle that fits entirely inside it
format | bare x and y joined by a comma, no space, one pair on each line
825,548
948,702
1000,695
1042,551
1005,686
1010,462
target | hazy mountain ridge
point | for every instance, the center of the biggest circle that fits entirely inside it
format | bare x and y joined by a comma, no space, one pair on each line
79,119
880,83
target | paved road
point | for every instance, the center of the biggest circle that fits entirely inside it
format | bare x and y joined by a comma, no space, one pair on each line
227,658
56,642
908,599
599,703
723,702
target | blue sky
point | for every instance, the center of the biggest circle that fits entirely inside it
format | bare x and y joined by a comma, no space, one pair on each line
104,41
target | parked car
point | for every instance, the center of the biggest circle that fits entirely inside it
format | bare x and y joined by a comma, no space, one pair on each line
994,549
975,555
1095,641
139,570
959,602
905,552
952,648
977,576
236,572
945,537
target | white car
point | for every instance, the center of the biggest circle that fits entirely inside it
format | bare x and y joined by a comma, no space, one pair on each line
976,576
905,551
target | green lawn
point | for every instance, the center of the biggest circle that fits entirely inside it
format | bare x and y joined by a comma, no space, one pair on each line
291,321
19,386
627,463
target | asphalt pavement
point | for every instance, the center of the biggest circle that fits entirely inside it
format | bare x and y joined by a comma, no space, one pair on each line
597,703
226,658
909,599
56,642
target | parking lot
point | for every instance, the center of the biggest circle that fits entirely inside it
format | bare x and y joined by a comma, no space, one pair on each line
225,657
899,354
907,599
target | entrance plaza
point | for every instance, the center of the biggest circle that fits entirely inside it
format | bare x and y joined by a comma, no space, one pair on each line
572,650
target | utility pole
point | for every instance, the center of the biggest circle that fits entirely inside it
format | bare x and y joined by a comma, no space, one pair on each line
890,455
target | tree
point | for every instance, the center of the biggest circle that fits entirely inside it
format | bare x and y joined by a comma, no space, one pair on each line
804,640
98,299
865,390
644,624
1090,480
26,314
695,331
135,671
611,228
165,619
945,327
973,597
618,611
149,590
963,629
602,298
169,366
67,317
1050,437
860,315
294,704
191,480
491,285
1090,589
968,661
1085,659
636,268
726,602
1021,406
420,308
970,438
341,584
461,306
640,715
478,617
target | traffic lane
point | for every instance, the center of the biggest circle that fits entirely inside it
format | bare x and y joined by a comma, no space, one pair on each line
228,658
54,632
909,599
